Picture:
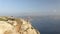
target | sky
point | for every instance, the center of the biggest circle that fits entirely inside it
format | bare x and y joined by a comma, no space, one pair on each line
29,7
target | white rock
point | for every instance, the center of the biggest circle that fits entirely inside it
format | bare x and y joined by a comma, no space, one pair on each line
26,27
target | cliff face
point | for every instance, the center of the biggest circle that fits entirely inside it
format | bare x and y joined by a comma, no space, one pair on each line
10,25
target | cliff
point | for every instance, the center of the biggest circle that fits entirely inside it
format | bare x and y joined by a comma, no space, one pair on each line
12,25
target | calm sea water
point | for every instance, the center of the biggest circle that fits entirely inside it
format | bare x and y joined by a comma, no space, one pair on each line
46,25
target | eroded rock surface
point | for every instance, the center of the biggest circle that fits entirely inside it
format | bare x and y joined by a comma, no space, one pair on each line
11,25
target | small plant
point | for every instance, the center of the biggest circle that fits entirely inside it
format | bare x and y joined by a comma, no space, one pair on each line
2,19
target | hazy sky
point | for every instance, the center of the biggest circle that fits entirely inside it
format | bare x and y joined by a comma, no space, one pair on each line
29,7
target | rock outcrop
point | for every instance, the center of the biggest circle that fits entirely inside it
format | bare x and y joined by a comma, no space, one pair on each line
11,25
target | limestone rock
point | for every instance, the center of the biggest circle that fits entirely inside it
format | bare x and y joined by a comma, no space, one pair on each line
11,25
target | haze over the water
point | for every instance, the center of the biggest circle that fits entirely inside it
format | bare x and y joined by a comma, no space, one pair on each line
29,7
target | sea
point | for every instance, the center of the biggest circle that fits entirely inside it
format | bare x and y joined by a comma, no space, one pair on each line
46,24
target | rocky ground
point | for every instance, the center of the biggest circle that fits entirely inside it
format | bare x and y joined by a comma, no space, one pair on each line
12,25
